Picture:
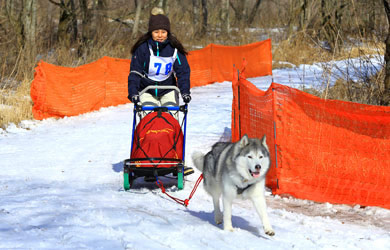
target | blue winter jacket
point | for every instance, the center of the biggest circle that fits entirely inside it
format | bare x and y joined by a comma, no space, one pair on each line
140,63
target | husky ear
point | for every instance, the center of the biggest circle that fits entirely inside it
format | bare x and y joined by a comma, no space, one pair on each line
264,141
244,141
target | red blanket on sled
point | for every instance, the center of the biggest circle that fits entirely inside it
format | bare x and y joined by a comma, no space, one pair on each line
158,136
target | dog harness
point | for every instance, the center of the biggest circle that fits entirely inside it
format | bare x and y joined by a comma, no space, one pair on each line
241,190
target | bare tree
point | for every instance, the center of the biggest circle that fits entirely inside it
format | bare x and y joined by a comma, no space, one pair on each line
225,17
23,19
386,95
331,16
137,17
239,10
67,25
204,18
302,14
163,4
254,11
86,21
98,15
196,15
29,17
13,15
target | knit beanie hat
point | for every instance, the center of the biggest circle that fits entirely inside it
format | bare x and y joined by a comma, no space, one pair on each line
159,21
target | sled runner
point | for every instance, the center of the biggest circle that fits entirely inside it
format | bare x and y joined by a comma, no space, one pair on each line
158,143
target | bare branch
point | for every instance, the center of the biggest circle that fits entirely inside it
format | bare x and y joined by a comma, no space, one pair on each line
54,2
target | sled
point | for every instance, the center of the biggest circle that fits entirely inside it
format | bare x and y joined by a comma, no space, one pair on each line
157,143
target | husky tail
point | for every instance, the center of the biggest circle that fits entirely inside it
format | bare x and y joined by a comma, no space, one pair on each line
198,159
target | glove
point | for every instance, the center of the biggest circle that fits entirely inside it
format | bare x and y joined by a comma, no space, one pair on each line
137,103
186,98
135,99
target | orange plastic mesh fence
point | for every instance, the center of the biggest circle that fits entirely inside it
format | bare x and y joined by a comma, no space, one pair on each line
254,118
327,151
62,91
214,62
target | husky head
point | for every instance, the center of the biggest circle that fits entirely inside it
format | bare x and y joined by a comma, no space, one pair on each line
253,161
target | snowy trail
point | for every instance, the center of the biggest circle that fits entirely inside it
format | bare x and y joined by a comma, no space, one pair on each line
61,187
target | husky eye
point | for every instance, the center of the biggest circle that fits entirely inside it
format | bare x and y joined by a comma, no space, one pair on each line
250,157
261,157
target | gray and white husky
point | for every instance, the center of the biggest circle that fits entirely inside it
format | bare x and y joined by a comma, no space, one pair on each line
236,170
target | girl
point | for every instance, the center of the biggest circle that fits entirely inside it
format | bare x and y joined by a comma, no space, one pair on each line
158,58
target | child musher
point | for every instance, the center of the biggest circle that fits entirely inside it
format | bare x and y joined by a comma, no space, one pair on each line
159,59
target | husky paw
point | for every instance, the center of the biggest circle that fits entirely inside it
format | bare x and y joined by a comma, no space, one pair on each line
228,228
218,219
269,232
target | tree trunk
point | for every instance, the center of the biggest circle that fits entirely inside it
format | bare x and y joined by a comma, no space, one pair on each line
292,18
163,5
331,30
240,12
324,14
252,15
74,21
14,18
225,17
302,14
373,16
196,15
29,24
327,27
29,17
98,16
204,18
101,4
67,31
136,21
386,95
86,22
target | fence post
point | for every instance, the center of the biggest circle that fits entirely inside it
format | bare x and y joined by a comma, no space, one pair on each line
274,123
239,103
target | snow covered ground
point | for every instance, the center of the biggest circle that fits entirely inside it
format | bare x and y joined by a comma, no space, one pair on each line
61,188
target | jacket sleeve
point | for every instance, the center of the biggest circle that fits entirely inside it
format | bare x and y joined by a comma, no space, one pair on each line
182,70
134,79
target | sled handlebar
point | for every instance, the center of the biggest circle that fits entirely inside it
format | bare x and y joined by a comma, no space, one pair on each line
160,87
181,108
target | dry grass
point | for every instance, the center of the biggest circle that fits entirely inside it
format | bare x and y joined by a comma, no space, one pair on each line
367,89
302,49
15,105
297,50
